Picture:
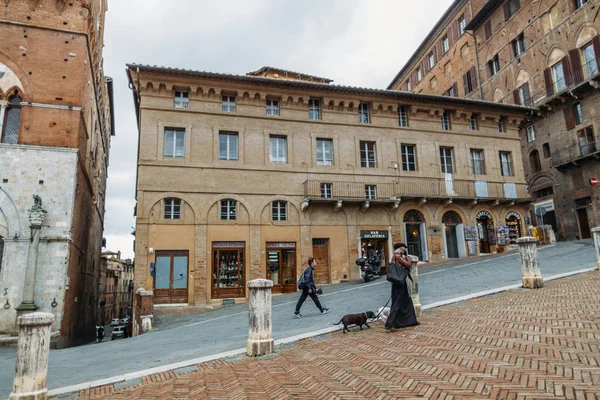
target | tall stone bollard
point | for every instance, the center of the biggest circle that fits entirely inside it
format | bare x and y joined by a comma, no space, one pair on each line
414,286
260,335
596,236
530,267
32,357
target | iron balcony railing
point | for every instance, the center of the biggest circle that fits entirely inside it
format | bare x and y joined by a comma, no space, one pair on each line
576,151
414,187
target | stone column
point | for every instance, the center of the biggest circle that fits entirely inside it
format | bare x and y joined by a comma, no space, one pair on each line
32,357
414,286
530,267
596,236
260,336
37,215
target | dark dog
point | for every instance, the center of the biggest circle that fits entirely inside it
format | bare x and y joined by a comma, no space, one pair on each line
356,319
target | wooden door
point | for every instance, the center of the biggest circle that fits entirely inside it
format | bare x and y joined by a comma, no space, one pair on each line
321,254
171,277
584,225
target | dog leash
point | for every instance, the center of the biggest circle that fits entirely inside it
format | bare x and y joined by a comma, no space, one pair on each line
383,308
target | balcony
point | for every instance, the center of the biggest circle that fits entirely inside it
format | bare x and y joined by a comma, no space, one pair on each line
576,153
412,188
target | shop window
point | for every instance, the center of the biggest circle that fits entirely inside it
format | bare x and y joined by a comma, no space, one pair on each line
368,155
12,120
402,116
408,157
273,108
181,99
278,149
506,163
228,104
326,190
363,113
228,146
445,121
174,143
324,152
447,160
314,109
477,162
371,192
501,128
228,209
530,129
534,161
473,123
172,209
546,148
279,211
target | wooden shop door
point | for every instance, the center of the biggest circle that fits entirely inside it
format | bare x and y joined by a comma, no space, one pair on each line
321,254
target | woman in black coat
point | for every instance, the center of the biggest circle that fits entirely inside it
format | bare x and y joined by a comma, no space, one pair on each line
402,311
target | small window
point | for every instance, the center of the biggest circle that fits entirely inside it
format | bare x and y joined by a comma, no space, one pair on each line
228,209
228,146
228,103
326,190
445,121
546,148
278,149
174,144
473,123
363,113
273,108
506,163
494,65
558,77
578,113
371,192
408,85
453,91
462,24
408,157
181,99
314,109
402,116
431,60
580,3
172,209
368,156
501,128
469,81
530,133
477,162
279,211
518,45
12,120
447,160
324,152
524,95
446,44
534,161
511,7
419,74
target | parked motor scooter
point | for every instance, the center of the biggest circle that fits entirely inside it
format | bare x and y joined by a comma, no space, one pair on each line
99,333
369,268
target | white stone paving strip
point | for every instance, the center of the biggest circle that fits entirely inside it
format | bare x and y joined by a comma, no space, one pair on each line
237,352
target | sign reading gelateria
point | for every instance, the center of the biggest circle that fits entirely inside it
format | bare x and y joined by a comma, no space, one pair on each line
369,234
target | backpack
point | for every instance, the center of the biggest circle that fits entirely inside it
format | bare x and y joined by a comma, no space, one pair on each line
301,281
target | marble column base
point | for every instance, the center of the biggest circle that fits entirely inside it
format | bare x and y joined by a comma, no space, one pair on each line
257,348
534,282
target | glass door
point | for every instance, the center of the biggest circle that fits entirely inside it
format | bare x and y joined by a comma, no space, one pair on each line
228,273
281,269
171,277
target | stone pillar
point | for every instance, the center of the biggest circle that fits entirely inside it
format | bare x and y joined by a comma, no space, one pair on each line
37,215
596,236
143,313
414,286
532,277
32,357
260,336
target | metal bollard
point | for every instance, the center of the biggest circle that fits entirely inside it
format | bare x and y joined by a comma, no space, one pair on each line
414,286
596,236
32,357
530,267
260,335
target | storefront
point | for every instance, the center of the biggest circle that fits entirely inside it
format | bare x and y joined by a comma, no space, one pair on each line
486,231
454,237
228,270
415,234
281,266
374,243
513,221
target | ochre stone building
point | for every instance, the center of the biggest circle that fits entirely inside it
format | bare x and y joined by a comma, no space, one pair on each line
55,131
245,177
543,54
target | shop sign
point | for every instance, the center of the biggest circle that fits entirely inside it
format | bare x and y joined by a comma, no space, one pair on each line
224,245
279,245
368,234
484,214
513,214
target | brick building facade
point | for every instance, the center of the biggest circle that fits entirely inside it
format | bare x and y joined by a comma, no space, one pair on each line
55,130
543,54
245,177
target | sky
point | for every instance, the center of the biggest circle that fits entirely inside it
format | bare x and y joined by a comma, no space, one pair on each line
355,43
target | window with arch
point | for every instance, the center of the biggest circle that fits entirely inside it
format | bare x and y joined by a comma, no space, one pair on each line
451,218
534,161
414,217
12,119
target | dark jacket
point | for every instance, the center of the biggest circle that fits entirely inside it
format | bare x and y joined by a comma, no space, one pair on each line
309,282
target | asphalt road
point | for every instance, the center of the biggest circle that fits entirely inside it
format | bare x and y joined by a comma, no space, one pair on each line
226,329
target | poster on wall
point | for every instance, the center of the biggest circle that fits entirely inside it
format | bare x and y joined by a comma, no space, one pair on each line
472,247
470,232
503,235
491,234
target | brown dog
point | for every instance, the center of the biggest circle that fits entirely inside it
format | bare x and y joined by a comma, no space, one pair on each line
356,319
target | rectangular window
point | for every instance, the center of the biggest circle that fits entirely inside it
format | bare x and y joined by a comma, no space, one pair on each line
371,192
587,141
591,63
452,92
469,81
368,157
324,152
314,109
473,123
446,44
363,113
228,209
278,149
505,163
494,65
228,146
402,116
431,60
419,74
477,162
408,157
326,190
546,148
172,209
518,45
181,99
524,95
501,128
488,29
462,24
279,211
513,7
530,133
578,113
558,76
228,103
445,121
273,108
174,145
408,86
446,160
580,3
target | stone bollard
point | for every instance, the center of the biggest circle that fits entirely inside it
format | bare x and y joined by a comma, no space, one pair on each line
596,236
260,335
32,357
530,267
414,286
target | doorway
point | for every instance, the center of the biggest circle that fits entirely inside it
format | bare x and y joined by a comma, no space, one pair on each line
513,221
451,224
321,254
414,232
228,270
486,231
281,266
584,225
171,277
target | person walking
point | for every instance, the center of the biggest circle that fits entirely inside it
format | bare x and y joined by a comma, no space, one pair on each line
309,289
402,312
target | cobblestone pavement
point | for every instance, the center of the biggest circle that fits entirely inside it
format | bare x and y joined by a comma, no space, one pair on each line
521,344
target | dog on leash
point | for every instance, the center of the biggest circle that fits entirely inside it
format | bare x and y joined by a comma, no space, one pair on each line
356,319
383,313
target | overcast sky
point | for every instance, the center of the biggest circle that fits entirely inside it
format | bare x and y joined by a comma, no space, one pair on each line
353,42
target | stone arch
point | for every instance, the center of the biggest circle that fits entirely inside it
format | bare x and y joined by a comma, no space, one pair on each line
413,215
293,211
555,55
498,96
585,35
521,78
151,202
442,209
149,87
10,215
477,210
14,76
209,204
451,217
